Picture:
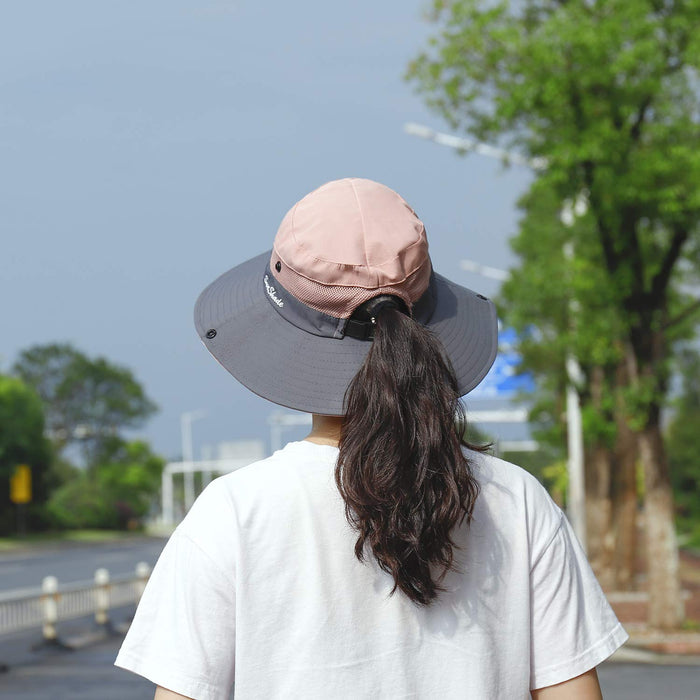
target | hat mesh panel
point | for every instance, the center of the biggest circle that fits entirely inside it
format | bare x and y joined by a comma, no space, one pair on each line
341,301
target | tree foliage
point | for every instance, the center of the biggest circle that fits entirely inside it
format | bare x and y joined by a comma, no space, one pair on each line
87,401
605,93
560,304
22,442
603,96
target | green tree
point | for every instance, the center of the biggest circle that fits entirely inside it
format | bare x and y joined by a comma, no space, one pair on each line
22,442
566,298
130,473
117,493
44,368
605,92
87,401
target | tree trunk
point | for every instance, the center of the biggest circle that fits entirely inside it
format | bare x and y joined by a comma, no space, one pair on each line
645,364
625,510
599,535
665,603
624,493
598,460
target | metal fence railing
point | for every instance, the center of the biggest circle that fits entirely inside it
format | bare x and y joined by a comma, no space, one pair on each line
53,603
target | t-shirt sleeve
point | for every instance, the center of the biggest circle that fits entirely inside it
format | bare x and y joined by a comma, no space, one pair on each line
573,627
183,634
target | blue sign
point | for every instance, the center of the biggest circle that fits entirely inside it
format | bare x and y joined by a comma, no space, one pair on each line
503,380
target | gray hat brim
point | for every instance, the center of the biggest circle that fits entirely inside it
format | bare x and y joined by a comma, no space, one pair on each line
306,372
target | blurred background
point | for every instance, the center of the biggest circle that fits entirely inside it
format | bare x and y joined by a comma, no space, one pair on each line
146,148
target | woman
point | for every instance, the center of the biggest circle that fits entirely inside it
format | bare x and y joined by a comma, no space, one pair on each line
381,557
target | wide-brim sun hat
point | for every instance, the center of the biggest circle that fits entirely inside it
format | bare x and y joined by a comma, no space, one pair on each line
282,323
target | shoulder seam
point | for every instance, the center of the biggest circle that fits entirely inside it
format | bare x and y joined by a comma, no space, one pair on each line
550,539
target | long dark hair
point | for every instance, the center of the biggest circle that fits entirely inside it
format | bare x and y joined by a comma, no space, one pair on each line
401,471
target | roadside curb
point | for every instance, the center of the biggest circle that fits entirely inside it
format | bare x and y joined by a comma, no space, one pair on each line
632,654
97,634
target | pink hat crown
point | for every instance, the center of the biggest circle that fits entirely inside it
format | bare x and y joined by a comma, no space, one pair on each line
347,242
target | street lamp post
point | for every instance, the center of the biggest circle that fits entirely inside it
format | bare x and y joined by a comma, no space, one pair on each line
570,211
186,420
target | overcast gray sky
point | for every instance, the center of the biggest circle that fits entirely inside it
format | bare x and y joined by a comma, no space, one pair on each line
148,146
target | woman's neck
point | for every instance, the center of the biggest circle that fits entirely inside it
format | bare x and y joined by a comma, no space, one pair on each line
325,430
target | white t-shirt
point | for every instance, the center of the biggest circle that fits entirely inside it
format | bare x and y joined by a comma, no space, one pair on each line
259,585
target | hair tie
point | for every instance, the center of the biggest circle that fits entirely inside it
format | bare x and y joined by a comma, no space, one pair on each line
384,301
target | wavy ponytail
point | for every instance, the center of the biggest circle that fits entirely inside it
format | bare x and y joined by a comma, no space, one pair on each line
401,471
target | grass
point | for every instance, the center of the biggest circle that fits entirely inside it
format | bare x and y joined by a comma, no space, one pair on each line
8,544
690,625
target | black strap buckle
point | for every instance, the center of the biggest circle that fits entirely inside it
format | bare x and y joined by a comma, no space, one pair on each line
362,330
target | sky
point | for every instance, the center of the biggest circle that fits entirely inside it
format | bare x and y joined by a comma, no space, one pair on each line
147,147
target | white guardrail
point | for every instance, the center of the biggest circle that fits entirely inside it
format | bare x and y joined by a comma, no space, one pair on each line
22,610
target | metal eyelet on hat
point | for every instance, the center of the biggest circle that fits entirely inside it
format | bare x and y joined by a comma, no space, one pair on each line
211,333
278,266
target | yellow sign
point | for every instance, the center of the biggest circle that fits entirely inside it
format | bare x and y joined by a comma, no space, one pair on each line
21,484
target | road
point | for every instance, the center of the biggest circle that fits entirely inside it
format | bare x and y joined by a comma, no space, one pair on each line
69,562
648,682
88,673
77,562
82,675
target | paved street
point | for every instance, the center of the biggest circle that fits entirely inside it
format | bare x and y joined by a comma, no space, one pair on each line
88,673
70,563
648,682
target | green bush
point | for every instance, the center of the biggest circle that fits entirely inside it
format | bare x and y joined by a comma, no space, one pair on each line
116,493
80,504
